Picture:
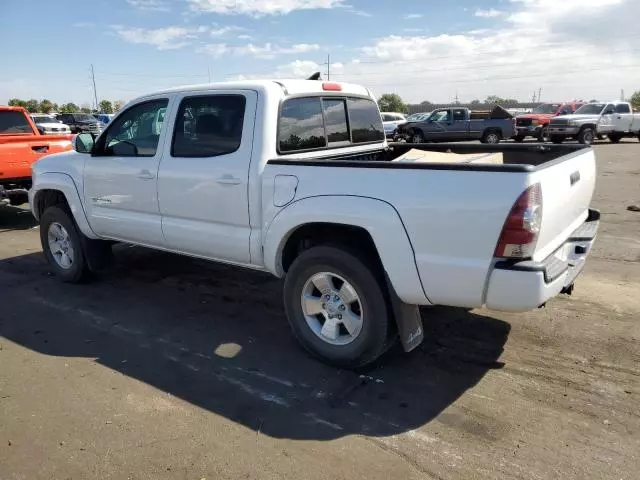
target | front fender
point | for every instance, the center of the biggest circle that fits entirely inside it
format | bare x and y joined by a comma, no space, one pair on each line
377,217
65,184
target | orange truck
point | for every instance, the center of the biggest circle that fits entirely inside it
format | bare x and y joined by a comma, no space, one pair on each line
536,123
21,145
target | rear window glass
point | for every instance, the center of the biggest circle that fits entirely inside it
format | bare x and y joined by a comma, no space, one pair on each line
335,120
623,108
301,125
314,122
364,121
14,122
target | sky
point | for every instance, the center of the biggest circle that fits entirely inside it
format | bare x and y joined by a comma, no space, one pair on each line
422,50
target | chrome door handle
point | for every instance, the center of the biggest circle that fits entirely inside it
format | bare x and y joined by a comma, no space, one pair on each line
146,175
228,180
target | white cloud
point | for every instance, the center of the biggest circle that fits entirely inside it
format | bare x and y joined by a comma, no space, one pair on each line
221,31
413,16
491,13
259,8
562,47
266,51
150,5
168,38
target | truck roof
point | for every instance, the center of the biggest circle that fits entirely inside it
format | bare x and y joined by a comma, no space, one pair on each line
289,87
13,109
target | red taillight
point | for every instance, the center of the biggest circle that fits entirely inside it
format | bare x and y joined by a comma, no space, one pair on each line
522,226
332,87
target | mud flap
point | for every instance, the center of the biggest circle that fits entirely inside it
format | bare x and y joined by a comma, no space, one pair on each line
408,321
98,253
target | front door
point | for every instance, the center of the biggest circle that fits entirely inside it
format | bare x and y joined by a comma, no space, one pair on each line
437,126
203,179
120,178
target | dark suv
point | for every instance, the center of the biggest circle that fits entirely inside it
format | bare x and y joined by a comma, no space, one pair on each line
81,122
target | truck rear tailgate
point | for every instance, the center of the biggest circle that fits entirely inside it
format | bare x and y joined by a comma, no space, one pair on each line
19,152
567,187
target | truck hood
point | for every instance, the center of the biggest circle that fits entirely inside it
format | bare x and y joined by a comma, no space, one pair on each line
65,162
536,116
52,125
574,117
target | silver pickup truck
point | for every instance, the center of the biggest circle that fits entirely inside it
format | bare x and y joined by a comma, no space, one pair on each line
456,124
614,119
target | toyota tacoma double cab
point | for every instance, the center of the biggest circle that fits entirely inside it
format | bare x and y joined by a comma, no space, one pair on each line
456,124
21,145
536,123
616,120
295,178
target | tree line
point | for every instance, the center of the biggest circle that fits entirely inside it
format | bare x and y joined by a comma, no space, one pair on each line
392,102
47,106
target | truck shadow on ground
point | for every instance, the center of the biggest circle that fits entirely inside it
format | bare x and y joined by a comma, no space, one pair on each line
14,218
217,337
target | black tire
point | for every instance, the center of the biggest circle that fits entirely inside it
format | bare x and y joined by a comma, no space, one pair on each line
556,139
519,138
614,138
543,136
416,137
78,270
491,136
586,136
368,282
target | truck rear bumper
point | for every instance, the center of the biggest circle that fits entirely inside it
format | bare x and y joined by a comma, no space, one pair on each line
526,285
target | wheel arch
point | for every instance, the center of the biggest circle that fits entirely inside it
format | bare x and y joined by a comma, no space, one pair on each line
367,223
55,189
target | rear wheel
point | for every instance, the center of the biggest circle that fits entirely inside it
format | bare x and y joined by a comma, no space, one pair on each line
491,136
586,136
336,306
557,139
62,245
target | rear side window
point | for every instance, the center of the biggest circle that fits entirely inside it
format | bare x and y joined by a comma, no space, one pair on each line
364,121
459,115
13,122
315,122
623,108
208,126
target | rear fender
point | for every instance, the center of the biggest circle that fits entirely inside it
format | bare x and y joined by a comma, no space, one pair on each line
377,217
64,184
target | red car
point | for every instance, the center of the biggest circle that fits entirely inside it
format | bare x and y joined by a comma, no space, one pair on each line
536,123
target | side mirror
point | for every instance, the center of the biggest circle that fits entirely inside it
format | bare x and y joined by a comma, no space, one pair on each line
83,143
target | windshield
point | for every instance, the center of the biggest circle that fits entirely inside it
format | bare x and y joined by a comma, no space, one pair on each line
590,109
548,108
80,117
43,119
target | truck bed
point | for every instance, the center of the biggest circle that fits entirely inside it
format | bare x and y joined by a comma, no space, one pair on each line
454,213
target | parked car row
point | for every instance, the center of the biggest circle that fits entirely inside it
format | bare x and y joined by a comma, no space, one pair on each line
553,122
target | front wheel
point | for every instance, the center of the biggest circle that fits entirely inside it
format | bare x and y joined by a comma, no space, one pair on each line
417,137
543,136
62,246
490,137
336,306
586,136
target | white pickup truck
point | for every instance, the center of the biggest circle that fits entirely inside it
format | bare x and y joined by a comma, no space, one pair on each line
296,178
614,119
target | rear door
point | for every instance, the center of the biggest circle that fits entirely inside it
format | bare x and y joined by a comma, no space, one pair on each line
458,129
623,118
203,178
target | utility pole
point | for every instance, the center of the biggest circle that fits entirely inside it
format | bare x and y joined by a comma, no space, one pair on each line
209,72
457,101
95,93
622,94
328,66
533,100
539,94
